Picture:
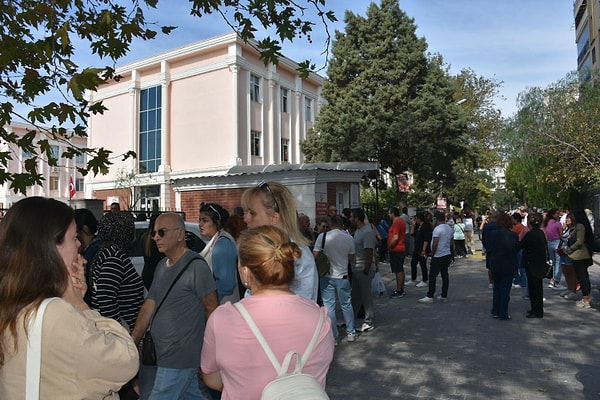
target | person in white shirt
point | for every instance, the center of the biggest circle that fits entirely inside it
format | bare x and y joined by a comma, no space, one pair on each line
338,246
441,258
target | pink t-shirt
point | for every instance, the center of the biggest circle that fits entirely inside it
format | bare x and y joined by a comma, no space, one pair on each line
287,322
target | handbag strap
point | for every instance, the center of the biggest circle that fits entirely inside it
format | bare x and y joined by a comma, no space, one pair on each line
323,241
171,287
282,369
34,352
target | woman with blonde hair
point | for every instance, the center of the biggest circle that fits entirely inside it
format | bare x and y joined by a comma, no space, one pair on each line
287,321
83,355
271,203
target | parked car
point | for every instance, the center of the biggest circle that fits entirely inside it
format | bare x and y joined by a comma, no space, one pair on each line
193,239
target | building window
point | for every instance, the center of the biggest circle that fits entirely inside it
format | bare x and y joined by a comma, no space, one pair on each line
308,109
254,88
255,137
53,181
26,154
284,100
54,150
79,185
150,129
80,158
285,145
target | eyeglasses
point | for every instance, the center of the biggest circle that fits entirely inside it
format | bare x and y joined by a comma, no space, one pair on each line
161,231
263,185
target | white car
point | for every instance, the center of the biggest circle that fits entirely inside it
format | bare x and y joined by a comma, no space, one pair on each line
193,239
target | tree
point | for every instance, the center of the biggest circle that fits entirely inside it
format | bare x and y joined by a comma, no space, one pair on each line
386,100
38,48
555,142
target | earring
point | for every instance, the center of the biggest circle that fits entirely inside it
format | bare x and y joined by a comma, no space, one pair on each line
246,284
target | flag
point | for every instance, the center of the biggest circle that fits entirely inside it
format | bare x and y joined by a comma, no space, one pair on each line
72,190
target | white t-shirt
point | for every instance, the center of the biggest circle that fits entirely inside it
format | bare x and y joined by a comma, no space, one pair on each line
468,224
445,234
338,245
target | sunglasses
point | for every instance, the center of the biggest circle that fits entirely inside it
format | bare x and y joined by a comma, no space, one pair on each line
161,231
263,185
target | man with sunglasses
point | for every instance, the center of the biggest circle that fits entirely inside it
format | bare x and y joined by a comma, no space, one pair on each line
178,326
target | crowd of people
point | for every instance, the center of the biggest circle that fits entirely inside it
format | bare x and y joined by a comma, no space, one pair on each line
263,257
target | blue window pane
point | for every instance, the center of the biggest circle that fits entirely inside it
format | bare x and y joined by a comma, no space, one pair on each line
151,120
143,122
144,100
151,145
158,97
152,98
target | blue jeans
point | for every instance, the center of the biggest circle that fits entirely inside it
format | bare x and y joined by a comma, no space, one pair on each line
555,258
521,276
177,384
340,288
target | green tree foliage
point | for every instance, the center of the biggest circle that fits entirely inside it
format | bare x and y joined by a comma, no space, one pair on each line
386,100
40,41
555,142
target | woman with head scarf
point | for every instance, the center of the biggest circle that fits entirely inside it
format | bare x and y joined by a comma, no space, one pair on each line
117,289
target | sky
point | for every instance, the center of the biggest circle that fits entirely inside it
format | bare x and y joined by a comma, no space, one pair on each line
521,43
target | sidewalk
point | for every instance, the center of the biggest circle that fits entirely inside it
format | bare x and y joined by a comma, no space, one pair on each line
455,350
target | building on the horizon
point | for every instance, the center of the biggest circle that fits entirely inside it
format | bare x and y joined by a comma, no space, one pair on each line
197,111
587,27
56,179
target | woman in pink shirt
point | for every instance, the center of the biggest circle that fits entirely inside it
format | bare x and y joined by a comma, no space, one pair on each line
232,358
553,230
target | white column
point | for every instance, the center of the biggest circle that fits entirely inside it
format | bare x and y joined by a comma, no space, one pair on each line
134,89
235,125
165,135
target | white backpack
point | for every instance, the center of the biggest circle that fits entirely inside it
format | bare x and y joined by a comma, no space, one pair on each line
288,386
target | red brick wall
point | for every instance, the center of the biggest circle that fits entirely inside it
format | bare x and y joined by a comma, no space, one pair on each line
227,198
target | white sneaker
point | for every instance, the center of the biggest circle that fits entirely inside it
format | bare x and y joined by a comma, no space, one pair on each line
409,282
351,337
426,300
366,326
422,284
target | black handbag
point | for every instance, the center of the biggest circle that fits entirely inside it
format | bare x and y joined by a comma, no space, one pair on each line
148,348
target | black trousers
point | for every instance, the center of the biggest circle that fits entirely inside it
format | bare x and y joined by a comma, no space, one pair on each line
417,259
536,294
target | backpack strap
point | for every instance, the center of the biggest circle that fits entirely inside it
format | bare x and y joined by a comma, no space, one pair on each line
282,368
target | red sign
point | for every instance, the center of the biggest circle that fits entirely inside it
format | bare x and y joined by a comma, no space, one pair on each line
321,208
403,183
72,190
441,202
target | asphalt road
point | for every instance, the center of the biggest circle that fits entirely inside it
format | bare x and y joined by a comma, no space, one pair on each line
455,350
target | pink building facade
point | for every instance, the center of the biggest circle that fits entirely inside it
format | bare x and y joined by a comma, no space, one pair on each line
194,112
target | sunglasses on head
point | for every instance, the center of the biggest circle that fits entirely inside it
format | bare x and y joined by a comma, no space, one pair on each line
161,231
263,185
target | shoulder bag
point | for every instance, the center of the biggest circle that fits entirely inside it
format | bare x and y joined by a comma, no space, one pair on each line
148,349
323,264
34,352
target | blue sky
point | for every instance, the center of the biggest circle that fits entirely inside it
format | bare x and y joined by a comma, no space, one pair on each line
523,43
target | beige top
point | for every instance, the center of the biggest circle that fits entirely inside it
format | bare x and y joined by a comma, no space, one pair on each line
84,356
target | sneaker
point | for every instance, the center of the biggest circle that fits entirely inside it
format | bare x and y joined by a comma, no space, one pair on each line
570,296
558,286
514,285
351,337
397,294
491,286
366,327
409,282
441,299
583,304
564,293
422,284
426,300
